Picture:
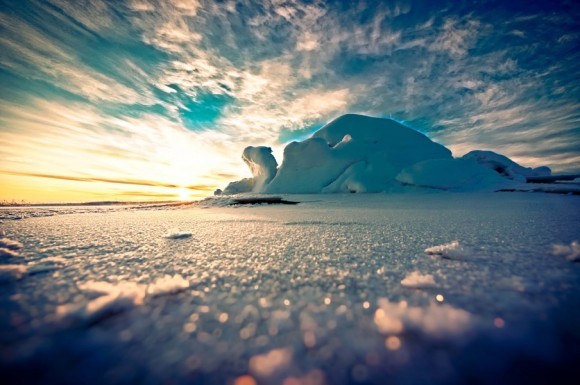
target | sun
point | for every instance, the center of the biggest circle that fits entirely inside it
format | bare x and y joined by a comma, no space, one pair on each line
183,194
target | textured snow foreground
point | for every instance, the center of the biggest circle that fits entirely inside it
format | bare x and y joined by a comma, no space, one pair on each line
341,289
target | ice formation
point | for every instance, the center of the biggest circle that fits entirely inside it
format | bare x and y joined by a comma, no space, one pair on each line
356,153
12,272
10,244
167,285
505,166
570,252
436,321
264,365
416,280
177,234
7,253
113,298
263,166
452,250
118,297
8,247
452,175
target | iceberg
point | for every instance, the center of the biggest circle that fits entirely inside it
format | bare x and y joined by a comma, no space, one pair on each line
362,154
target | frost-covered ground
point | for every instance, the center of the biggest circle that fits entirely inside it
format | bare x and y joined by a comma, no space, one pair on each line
335,290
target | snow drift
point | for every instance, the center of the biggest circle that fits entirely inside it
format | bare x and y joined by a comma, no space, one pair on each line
356,153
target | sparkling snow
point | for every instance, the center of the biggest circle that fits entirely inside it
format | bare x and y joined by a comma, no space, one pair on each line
319,292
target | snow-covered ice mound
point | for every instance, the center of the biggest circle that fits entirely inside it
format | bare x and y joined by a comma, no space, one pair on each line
452,175
356,153
10,244
505,166
452,250
12,272
353,153
436,321
416,280
177,234
570,252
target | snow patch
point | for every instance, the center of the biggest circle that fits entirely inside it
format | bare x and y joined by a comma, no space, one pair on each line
10,244
571,252
113,298
118,297
58,260
436,321
416,280
452,250
12,272
7,253
518,284
167,285
265,365
177,234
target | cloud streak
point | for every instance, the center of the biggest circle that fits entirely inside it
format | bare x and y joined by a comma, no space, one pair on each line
95,179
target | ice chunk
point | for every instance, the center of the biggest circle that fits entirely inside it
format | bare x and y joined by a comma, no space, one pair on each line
571,252
435,320
265,365
10,244
416,280
167,285
177,234
452,250
120,296
58,260
518,283
453,175
114,298
241,186
12,272
128,289
7,253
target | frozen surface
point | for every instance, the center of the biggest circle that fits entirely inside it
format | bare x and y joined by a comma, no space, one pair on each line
335,290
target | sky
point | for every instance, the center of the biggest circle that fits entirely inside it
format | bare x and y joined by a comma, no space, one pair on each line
156,100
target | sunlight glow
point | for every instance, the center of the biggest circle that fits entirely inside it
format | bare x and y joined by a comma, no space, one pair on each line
184,194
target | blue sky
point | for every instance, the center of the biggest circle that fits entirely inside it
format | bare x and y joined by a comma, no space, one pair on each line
172,91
